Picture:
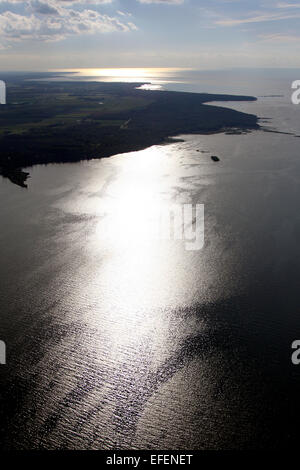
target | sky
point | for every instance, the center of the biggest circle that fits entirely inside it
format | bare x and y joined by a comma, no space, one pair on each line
202,34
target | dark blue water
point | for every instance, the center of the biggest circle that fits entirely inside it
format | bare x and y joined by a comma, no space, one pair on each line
124,343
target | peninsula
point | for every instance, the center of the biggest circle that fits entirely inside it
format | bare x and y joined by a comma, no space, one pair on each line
67,121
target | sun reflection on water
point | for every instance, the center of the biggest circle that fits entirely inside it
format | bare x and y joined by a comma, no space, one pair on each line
156,76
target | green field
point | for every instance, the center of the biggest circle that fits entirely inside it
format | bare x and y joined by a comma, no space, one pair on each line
34,106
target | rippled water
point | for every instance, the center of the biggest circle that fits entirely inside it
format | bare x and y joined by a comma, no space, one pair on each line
127,343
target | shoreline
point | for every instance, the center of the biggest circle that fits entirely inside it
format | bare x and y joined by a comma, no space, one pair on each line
16,175
19,177
41,131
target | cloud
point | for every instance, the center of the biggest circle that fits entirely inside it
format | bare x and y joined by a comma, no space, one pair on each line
86,2
288,5
47,26
63,2
13,26
44,8
280,38
54,20
169,2
256,19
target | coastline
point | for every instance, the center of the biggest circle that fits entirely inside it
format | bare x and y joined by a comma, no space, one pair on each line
130,120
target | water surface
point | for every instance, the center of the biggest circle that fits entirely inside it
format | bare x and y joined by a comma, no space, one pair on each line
124,343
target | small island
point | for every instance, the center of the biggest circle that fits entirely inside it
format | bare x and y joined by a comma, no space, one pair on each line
67,121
